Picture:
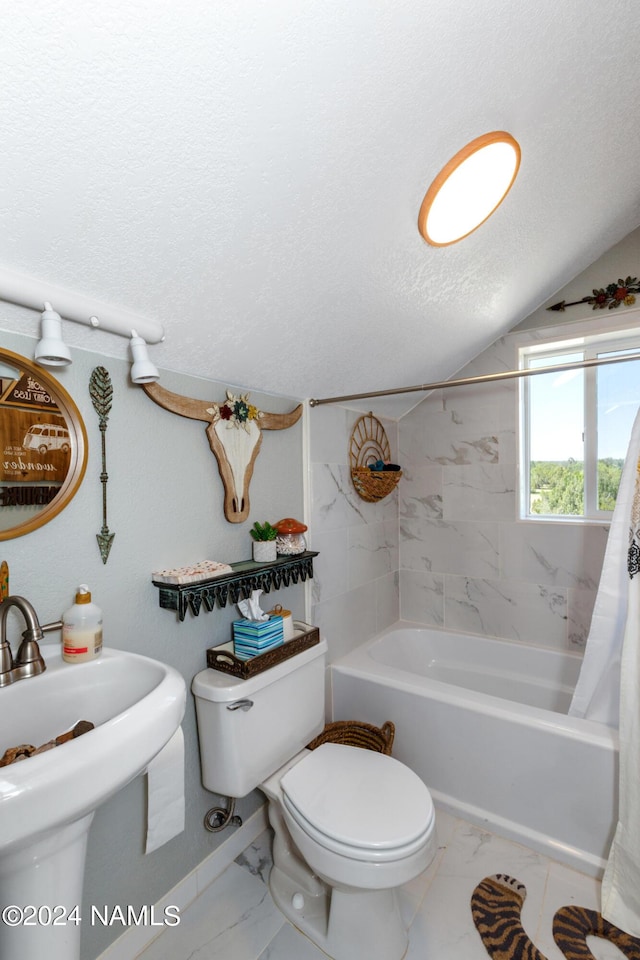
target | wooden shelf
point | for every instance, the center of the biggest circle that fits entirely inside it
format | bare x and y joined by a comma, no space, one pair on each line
246,576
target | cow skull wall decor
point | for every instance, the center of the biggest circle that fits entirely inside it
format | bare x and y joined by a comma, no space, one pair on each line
235,435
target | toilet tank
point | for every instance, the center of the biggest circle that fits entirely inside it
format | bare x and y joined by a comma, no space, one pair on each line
247,729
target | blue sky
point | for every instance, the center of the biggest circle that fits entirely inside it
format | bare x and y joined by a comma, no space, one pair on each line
557,405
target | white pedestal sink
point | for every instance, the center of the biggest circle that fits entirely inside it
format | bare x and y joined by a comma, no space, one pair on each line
47,802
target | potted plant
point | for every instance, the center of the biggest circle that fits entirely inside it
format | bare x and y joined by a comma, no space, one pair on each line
264,542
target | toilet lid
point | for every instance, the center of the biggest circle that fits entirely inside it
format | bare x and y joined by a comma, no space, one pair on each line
358,797
367,854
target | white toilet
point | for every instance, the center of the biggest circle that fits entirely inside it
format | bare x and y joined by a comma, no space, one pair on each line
350,825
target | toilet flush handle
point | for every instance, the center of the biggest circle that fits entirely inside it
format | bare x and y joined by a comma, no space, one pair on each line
240,705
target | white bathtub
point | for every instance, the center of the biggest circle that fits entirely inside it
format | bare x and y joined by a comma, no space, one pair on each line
484,723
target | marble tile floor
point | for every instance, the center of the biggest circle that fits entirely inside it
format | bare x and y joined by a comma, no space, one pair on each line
236,919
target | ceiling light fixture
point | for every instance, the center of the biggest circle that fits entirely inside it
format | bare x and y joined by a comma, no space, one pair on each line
469,188
51,350
142,370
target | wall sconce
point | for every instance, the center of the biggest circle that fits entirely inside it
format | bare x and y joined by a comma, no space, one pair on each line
51,350
142,370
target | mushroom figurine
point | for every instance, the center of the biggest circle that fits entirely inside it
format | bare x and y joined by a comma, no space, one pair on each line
290,539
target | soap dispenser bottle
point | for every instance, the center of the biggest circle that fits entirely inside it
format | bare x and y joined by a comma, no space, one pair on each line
82,629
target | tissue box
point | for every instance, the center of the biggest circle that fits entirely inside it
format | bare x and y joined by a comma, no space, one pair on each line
251,637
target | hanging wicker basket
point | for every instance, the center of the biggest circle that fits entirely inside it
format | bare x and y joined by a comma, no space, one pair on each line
356,734
369,443
373,485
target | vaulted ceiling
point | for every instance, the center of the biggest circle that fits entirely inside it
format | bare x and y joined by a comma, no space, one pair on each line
250,173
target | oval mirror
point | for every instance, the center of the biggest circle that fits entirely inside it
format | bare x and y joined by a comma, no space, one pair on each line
43,446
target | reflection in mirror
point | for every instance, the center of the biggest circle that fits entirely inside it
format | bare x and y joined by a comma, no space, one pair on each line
43,446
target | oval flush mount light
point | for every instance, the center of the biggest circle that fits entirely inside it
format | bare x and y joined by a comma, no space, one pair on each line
469,188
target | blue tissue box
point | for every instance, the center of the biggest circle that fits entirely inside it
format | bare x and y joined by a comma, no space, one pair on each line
252,637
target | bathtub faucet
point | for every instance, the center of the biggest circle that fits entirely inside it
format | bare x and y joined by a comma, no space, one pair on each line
28,662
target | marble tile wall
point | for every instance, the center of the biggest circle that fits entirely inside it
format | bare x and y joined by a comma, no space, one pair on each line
466,561
355,581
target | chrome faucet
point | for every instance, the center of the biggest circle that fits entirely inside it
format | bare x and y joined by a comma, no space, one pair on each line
28,662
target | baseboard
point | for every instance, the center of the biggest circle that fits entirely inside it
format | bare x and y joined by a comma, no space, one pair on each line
137,938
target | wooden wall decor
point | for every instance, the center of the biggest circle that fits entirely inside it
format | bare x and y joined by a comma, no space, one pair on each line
234,429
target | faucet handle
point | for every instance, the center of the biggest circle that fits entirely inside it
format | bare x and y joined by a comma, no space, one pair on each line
6,664
28,652
29,661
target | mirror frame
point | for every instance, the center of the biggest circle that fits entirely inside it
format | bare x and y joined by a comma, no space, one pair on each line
77,436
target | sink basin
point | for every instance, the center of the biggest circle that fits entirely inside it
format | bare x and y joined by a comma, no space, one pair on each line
136,705
47,802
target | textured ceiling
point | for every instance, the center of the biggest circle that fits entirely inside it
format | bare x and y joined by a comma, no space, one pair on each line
250,173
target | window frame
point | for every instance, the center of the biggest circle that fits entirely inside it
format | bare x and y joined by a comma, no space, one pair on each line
594,341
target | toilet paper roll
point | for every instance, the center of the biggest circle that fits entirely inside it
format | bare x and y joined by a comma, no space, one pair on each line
165,793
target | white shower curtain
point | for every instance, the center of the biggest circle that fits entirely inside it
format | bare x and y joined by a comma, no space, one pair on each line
597,693
621,881
608,689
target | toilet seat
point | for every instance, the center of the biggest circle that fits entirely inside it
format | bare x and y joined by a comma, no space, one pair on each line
324,792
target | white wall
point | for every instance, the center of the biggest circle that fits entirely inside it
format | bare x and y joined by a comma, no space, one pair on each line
165,508
620,262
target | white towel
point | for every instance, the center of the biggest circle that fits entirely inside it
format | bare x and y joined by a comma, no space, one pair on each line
165,793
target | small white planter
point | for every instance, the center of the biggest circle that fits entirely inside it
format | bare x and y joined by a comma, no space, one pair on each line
264,551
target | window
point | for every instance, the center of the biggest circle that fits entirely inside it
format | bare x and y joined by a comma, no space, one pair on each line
575,426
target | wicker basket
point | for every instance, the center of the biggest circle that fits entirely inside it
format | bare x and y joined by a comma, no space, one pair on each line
374,485
221,658
369,443
356,734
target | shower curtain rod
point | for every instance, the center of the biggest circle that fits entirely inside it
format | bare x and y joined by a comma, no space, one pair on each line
484,378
